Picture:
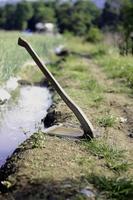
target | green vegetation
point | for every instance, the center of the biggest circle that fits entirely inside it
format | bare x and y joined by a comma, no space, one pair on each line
94,35
82,82
12,58
78,17
37,140
92,164
113,157
114,188
114,64
69,16
81,18
53,168
107,121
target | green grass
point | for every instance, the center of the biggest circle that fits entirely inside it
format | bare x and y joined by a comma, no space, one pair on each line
108,57
113,188
115,65
91,85
13,57
107,121
114,157
75,72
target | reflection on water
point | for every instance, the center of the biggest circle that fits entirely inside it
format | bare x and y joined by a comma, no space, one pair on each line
19,121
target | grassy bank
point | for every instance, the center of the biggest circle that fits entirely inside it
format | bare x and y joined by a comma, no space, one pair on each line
115,65
52,168
12,57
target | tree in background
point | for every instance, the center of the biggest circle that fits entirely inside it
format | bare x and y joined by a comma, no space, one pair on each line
26,14
110,17
9,16
84,16
2,17
23,13
127,26
127,17
76,17
42,12
64,15
94,35
117,16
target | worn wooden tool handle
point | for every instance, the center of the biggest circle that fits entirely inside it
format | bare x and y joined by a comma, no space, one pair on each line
22,42
85,123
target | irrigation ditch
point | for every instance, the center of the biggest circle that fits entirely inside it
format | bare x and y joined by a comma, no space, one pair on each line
33,109
21,116
29,112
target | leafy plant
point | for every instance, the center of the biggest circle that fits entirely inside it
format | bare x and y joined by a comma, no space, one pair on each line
38,140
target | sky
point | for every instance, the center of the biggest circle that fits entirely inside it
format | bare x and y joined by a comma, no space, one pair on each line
99,3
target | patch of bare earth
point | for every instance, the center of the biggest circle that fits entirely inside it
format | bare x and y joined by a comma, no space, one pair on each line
55,171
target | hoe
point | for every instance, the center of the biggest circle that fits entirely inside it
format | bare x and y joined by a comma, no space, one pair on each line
88,130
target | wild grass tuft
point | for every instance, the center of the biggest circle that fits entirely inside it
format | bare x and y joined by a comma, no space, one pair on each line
91,85
116,188
98,98
107,121
114,158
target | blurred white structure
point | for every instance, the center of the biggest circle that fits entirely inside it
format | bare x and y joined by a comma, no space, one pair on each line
45,27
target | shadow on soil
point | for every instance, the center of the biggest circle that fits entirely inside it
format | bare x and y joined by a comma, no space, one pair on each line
91,187
88,56
48,189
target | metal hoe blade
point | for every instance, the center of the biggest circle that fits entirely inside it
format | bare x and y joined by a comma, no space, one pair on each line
85,123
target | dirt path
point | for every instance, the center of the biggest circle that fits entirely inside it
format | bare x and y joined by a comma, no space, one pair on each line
120,104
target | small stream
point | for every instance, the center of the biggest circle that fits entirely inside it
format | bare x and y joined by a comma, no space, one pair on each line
19,119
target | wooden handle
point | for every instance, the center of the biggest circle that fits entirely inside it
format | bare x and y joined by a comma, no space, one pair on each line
22,42
85,123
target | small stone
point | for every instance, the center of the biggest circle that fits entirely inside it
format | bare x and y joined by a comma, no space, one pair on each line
130,135
87,192
7,184
61,51
123,120
4,96
67,186
97,133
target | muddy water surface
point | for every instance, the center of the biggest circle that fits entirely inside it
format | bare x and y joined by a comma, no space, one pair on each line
20,120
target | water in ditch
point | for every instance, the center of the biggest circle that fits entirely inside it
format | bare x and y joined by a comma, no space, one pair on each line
19,119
